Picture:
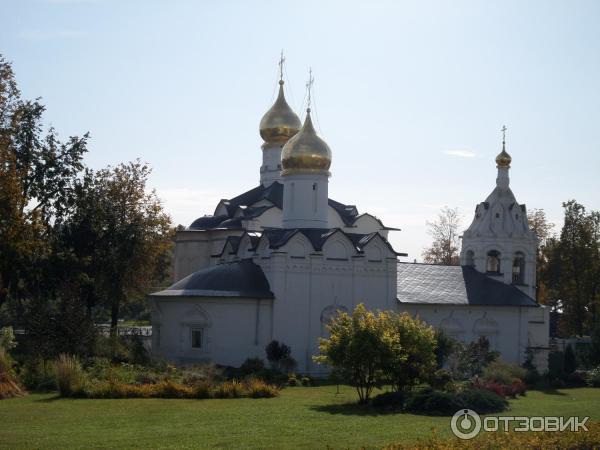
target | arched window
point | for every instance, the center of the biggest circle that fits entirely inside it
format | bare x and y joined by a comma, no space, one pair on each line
493,261
518,269
470,258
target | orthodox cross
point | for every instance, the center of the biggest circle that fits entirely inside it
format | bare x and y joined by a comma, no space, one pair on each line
503,135
309,85
281,61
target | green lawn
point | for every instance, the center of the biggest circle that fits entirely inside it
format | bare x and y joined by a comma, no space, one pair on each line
300,418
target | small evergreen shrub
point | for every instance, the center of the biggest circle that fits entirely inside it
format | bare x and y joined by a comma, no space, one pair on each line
292,380
431,402
570,364
483,401
70,377
251,366
389,400
38,375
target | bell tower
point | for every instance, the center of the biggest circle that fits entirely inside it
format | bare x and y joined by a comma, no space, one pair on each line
499,242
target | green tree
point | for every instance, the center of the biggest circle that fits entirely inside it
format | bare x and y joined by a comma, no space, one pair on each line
412,357
37,175
369,349
570,360
358,347
445,346
125,231
572,272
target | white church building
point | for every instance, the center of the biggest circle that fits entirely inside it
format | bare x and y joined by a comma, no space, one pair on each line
279,261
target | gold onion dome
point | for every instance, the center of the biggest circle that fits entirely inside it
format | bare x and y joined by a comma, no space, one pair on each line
503,159
306,152
280,122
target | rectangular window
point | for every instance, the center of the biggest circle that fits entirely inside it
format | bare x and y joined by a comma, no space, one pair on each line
197,337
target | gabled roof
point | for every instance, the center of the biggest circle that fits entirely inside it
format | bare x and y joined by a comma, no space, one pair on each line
236,279
455,285
278,237
273,194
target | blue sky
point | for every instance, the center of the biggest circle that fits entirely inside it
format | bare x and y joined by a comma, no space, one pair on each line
410,95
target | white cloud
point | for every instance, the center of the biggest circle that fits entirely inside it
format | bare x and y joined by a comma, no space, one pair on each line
461,153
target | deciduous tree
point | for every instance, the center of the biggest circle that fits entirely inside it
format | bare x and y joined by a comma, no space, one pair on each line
445,248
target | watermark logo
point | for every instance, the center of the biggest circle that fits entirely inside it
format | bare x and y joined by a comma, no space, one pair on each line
466,424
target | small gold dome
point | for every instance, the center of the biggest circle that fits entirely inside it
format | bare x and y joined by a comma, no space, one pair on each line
503,159
306,152
280,122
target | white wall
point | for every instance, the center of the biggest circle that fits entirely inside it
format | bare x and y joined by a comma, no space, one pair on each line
234,329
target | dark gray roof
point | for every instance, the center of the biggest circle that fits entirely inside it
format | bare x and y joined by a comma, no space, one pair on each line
272,193
278,237
236,279
456,285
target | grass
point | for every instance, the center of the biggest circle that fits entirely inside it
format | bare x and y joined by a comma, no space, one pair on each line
300,418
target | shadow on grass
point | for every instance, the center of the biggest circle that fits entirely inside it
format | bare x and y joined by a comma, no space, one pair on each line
49,399
551,391
353,409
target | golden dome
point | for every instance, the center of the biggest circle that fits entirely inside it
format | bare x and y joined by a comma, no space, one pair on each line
503,159
306,152
279,123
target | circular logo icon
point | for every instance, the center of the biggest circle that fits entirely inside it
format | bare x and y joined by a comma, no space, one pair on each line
465,424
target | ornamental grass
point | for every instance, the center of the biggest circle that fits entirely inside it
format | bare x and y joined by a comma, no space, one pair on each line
8,386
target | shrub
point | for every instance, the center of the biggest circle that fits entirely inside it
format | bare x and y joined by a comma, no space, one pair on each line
389,400
276,352
594,377
38,375
503,373
207,372
307,381
170,389
292,380
228,389
202,390
8,385
256,388
70,378
556,365
470,359
440,379
444,348
576,379
570,364
432,402
251,366
483,401
7,338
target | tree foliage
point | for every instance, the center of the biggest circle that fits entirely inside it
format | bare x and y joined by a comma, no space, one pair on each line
572,270
445,248
369,349
73,241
